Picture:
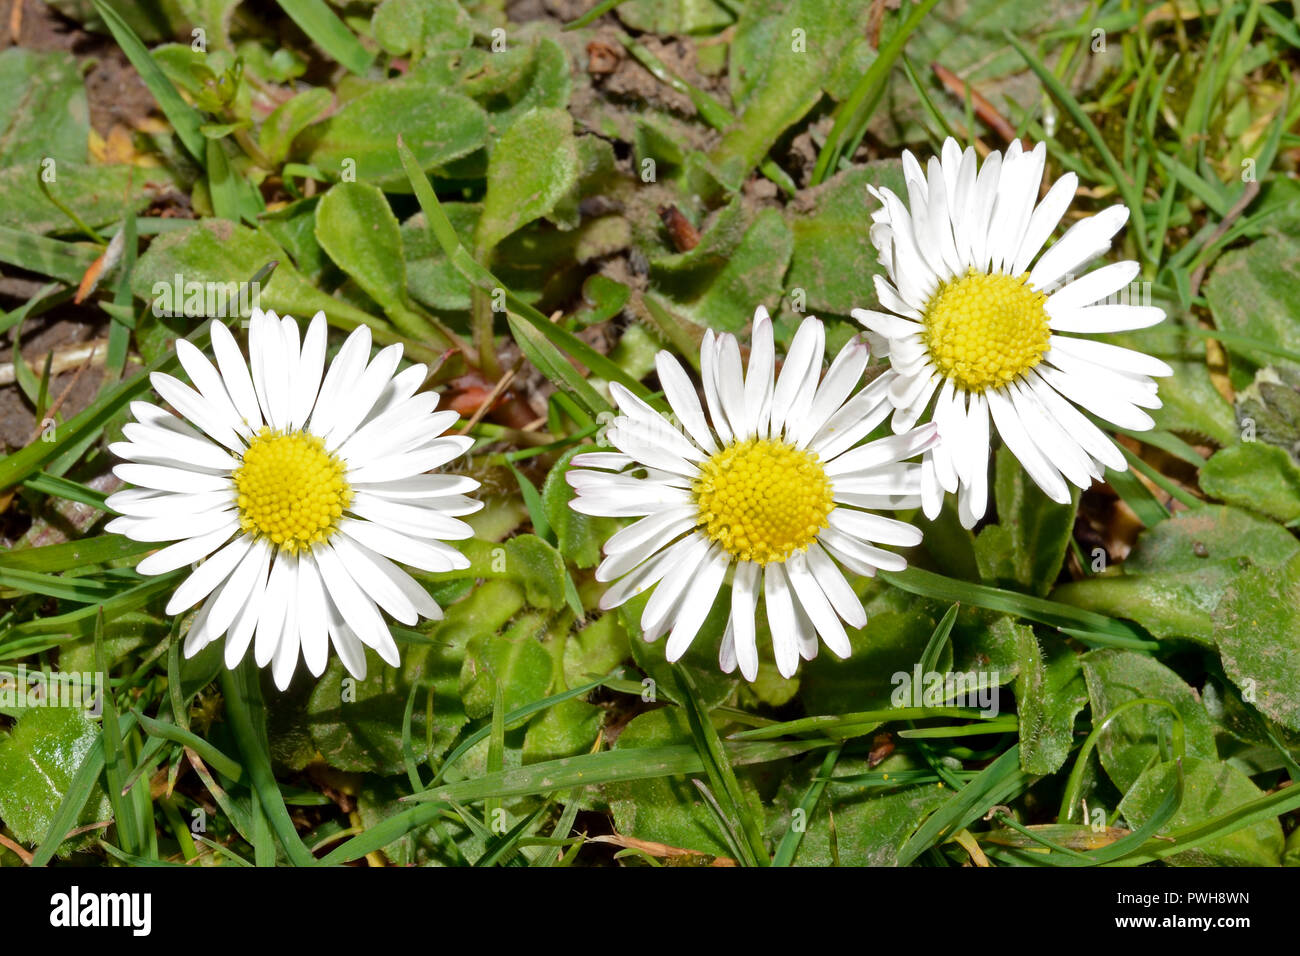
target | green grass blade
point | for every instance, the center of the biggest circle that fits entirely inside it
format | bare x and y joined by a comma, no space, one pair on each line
329,32
185,119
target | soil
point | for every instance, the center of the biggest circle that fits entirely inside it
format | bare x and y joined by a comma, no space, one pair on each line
117,97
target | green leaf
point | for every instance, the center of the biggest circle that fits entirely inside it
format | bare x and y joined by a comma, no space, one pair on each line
854,112
1210,789
808,40
97,194
358,230
46,112
1251,292
320,23
669,810
225,253
1180,569
1027,550
870,825
597,648
737,266
1272,403
289,119
1130,742
1050,692
356,724
49,257
833,261
516,660
1253,475
579,537
533,166
1259,638
483,280
246,714
889,645
565,730
668,17
38,761
437,125
417,26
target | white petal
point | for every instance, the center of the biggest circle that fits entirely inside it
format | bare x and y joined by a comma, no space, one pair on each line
1082,243
744,603
799,374
1114,317
208,382
431,556
313,632
845,545
275,604
1044,221
362,396
1124,360
305,382
216,422
1093,287
780,618
143,503
210,573
357,609
869,527
164,478
840,380
234,373
759,378
683,400
388,585
643,577
339,381
837,590
855,420
709,378
186,552
651,533
247,615
699,599
412,520
672,590
1022,446
1089,436
883,451
817,607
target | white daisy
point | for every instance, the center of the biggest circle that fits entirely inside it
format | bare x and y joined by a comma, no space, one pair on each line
978,316
770,486
299,493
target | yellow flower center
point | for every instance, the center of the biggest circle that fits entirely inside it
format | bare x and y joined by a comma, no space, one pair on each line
984,330
290,489
762,499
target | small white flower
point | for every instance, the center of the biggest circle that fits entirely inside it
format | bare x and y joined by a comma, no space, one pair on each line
977,317
770,485
300,493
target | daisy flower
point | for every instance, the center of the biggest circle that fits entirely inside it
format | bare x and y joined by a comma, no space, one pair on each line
979,325
297,493
770,487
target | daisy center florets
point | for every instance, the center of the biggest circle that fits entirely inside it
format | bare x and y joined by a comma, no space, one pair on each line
762,499
983,330
290,489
